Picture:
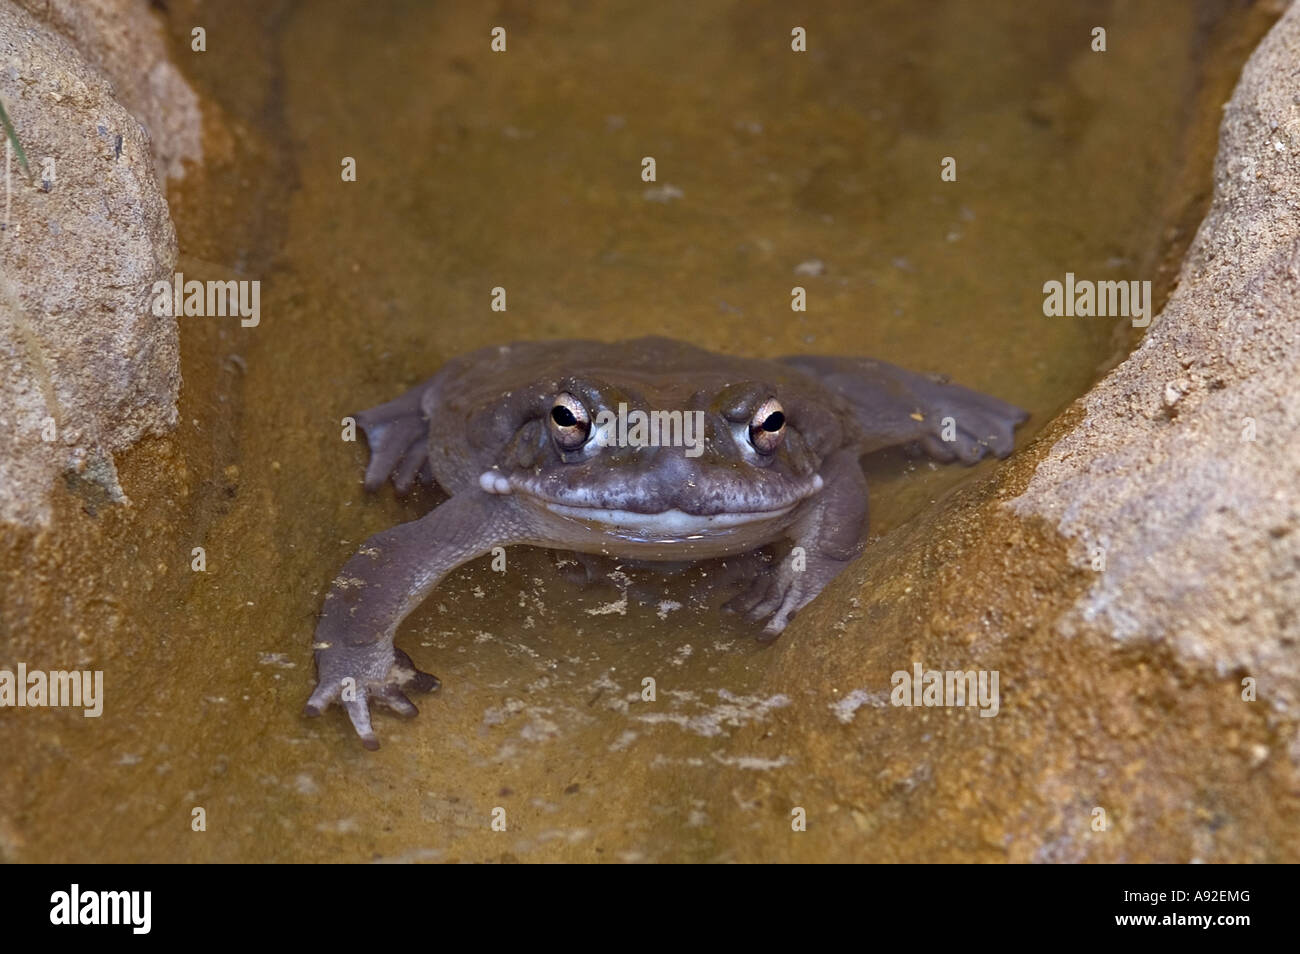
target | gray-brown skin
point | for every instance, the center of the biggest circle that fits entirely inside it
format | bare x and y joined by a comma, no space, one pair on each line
501,430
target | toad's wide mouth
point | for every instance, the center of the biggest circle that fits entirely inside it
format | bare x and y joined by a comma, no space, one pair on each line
654,512
625,513
670,523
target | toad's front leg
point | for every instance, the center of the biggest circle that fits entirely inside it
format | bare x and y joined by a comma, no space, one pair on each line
827,536
385,580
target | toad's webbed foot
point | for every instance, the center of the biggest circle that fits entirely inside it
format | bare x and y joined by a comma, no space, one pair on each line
965,425
355,676
788,587
398,435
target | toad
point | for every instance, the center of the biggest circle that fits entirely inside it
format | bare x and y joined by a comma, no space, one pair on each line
645,450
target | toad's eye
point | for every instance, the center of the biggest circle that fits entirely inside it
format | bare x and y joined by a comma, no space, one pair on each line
767,426
569,422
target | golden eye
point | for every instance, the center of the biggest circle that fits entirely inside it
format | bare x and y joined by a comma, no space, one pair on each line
569,422
767,426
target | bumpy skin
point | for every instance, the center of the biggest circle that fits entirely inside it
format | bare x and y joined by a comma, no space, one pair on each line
481,429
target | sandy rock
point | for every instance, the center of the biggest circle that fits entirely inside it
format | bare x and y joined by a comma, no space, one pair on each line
124,40
85,368
1184,475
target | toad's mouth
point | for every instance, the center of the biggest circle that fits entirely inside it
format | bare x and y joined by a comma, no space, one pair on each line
665,525
668,523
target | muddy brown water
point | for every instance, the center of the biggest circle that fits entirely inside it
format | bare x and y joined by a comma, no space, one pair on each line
522,170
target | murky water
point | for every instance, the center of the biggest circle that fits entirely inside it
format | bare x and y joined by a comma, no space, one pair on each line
522,170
